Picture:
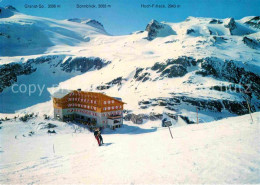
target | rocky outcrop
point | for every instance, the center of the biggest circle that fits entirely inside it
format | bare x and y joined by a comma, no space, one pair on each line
215,105
117,81
187,120
136,118
10,72
175,70
229,88
252,43
254,22
156,29
215,21
219,40
174,67
231,72
10,7
190,31
231,25
83,64
139,118
90,22
139,76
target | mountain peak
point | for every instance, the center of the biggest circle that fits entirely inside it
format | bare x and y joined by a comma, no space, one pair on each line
8,11
90,22
157,29
10,7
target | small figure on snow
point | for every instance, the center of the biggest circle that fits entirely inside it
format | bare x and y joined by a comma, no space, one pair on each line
96,134
100,137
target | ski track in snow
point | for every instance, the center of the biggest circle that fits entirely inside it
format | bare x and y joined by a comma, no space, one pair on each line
225,151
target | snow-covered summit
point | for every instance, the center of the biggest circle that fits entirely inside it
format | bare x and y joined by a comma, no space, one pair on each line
29,35
156,29
200,26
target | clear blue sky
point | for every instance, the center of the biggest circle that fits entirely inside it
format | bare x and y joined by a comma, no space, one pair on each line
126,16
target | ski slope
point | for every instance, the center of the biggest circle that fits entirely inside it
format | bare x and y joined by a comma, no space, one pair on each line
225,151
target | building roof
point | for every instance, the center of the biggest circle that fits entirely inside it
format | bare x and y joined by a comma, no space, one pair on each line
61,93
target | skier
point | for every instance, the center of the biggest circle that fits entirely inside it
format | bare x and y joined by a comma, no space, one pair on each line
96,134
100,137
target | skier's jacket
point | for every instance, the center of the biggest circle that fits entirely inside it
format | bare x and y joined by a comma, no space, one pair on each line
96,133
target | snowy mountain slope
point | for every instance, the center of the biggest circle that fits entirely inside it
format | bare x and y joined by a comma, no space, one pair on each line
39,75
226,151
203,63
28,35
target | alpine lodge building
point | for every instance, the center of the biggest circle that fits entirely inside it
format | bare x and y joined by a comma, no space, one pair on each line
90,108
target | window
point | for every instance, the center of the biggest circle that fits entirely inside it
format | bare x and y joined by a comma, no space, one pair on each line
105,102
112,107
105,108
116,107
108,108
95,102
108,102
113,101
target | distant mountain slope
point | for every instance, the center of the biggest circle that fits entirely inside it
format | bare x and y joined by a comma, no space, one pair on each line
173,68
28,35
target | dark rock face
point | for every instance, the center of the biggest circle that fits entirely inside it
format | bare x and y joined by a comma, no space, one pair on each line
176,70
238,108
46,59
10,7
143,77
231,25
190,31
155,116
215,21
231,88
136,118
90,22
229,71
83,64
252,43
103,87
139,76
187,120
139,118
254,22
117,81
218,39
174,67
94,23
9,73
154,28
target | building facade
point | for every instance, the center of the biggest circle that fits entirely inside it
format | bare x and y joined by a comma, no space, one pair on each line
90,108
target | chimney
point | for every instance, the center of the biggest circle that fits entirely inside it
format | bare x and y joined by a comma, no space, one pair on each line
78,89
